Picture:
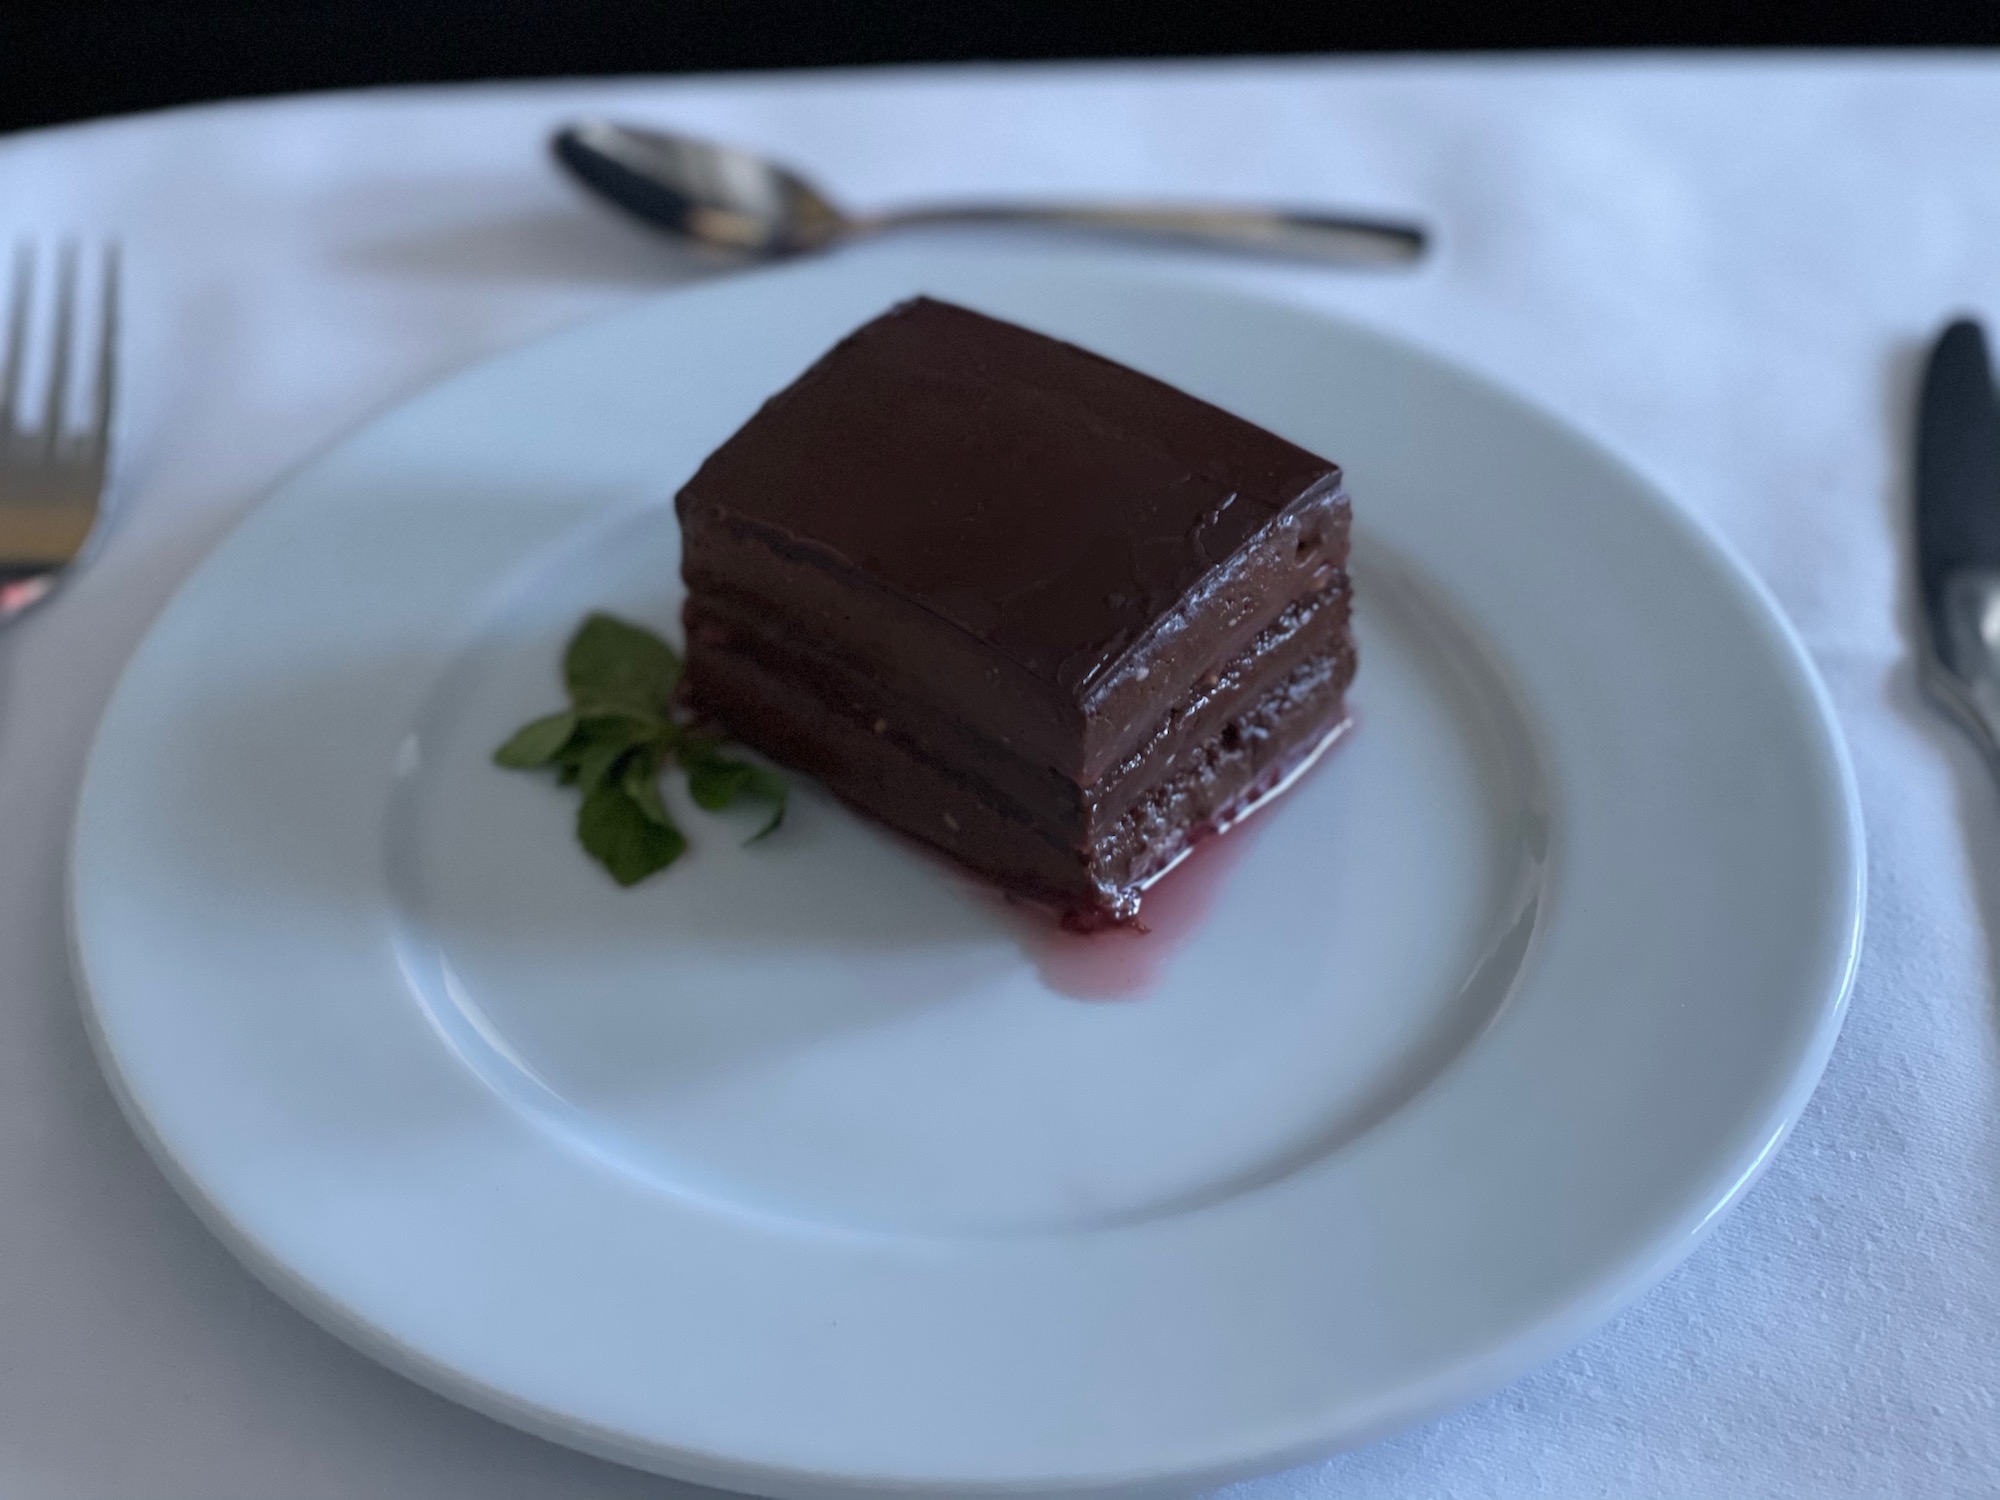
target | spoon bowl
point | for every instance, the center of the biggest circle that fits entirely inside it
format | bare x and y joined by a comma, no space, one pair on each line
714,194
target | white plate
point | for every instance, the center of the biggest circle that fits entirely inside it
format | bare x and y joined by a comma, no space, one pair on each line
790,1171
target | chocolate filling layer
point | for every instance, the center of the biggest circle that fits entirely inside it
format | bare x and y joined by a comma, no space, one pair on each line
910,789
725,624
782,577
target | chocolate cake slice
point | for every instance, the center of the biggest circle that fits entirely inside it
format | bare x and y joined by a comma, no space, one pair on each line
1045,613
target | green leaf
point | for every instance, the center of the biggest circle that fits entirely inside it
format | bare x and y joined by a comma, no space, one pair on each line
537,744
769,786
771,824
616,832
615,740
600,743
765,783
641,782
715,781
618,666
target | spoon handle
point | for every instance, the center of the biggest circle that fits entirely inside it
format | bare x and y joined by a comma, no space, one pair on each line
1338,239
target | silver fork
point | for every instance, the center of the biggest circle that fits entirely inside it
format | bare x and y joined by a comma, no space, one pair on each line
53,461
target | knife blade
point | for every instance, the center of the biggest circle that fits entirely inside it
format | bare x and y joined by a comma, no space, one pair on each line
1958,531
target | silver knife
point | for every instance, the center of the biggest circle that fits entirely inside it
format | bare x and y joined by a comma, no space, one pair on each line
1958,532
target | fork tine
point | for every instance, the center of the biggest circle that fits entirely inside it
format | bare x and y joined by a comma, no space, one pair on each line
64,334
17,334
98,438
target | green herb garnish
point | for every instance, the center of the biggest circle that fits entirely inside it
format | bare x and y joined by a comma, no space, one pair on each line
616,739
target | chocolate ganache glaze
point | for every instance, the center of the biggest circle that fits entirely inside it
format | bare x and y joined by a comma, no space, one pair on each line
1047,614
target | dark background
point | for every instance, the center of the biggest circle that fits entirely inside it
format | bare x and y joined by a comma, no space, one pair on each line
71,59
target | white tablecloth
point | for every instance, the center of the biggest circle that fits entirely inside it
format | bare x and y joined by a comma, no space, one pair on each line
1724,268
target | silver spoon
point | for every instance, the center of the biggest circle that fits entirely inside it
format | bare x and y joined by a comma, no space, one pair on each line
719,196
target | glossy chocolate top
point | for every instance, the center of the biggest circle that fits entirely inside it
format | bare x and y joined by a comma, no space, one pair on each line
1051,503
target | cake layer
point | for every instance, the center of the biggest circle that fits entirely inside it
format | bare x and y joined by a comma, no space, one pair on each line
724,626
1088,878
1309,629
893,781
1208,786
1049,546
1300,555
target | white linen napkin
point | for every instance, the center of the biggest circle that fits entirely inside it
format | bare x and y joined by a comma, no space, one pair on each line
1723,268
